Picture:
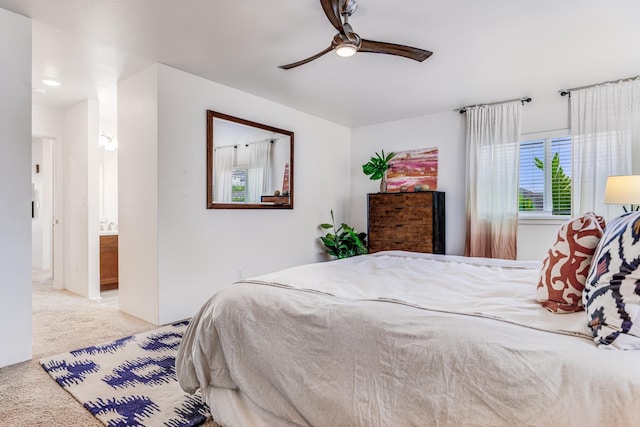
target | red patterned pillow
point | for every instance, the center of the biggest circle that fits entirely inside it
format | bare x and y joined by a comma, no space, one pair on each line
566,266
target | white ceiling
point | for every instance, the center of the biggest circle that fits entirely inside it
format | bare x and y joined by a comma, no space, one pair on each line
484,51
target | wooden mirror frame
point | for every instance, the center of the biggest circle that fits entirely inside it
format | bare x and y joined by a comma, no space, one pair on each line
211,204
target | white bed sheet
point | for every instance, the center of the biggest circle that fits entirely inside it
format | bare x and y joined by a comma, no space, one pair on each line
397,339
501,289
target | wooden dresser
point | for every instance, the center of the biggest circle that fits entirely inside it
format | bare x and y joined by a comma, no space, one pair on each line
406,221
108,262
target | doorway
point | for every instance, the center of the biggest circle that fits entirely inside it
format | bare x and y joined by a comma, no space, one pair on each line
42,207
47,210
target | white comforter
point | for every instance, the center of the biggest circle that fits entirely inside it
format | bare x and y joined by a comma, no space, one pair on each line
400,339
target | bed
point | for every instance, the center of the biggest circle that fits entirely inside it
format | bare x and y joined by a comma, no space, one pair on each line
402,339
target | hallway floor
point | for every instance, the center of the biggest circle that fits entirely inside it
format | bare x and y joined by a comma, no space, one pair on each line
62,322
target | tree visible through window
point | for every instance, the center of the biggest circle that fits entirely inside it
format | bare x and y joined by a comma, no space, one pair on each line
545,176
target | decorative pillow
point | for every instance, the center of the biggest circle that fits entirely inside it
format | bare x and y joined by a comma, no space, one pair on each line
612,290
566,266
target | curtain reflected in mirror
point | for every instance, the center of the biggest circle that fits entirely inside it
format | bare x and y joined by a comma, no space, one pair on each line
225,178
249,165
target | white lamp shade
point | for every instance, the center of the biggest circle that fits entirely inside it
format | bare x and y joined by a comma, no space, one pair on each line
622,190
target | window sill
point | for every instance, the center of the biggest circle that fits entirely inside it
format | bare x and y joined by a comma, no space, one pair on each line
543,219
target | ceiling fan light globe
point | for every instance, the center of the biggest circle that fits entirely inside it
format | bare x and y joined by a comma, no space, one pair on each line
346,50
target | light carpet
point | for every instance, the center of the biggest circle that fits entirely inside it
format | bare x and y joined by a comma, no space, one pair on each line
130,381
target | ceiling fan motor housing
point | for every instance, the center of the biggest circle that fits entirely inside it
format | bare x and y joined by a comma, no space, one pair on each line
351,39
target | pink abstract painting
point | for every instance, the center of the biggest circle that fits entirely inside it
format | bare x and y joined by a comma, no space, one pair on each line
414,170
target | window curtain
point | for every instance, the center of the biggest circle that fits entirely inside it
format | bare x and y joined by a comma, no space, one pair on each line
223,169
605,131
258,170
492,141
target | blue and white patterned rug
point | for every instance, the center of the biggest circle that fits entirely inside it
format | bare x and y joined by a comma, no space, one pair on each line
130,381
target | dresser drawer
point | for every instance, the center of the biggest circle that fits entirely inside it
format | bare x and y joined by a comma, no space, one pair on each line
402,215
401,245
401,200
424,222
402,233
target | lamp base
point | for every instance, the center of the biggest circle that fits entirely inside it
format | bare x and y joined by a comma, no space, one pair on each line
632,208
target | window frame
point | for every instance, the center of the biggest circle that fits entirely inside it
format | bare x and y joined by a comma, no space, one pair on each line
546,216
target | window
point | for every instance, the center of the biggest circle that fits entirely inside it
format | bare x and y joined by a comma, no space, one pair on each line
545,176
239,186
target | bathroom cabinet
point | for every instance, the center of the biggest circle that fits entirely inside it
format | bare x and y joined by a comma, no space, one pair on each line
108,262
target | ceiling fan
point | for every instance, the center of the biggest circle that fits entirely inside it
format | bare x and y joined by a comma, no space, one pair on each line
347,42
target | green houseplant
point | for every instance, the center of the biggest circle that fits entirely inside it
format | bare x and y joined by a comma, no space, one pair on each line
344,242
377,167
560,186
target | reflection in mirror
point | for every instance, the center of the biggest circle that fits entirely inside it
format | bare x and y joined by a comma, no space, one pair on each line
249,165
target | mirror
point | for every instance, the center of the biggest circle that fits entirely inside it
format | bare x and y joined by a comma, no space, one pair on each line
249,165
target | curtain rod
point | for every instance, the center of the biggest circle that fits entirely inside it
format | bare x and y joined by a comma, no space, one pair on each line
246,144
565,92
522,100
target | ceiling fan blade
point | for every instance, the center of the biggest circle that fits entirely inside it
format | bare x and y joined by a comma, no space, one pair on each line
304,61
394,49
332,10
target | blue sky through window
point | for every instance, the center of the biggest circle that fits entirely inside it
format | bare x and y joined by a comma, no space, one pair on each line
531,178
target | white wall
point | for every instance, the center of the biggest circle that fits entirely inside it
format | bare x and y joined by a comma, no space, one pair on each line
444,131
81,194
196,251
47,122
15,188
138,195
548,111
535,236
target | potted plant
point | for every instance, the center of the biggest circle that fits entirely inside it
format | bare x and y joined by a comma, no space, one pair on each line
377,167
344,242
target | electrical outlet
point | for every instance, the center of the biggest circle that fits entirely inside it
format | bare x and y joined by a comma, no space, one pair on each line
238,274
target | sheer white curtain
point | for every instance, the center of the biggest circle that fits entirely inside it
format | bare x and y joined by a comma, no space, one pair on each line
492,137
258,170
223,169
605,131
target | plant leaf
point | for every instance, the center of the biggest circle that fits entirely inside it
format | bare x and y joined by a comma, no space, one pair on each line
539,163
389,157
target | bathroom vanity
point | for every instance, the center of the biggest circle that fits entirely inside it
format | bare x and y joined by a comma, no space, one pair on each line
108,261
